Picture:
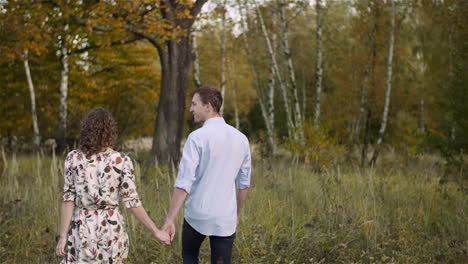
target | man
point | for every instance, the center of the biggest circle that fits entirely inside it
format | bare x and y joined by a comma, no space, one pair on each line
215,159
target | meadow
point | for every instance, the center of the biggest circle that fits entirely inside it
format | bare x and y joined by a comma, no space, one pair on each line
396,212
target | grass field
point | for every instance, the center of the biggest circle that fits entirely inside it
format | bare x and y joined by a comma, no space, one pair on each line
394,213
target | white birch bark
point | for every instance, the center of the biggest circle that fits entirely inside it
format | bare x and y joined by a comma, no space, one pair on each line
37,137
388,87
196,63
290,66
267,111
270,94
272,53
64,73
223,55
318,84
236,110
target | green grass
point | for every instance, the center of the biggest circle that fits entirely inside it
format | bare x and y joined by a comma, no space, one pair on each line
395,213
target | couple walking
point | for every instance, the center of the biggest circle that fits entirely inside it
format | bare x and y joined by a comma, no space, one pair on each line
214,176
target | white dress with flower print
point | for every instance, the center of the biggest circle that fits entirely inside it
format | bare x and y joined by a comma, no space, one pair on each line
97,184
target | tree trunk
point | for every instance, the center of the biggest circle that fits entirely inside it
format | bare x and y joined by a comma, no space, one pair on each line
37,137
196,63
175,58
270,109
236,110
272,53
422,126
223,56
290,66
266,104
388,89
364,117
318,84
62,122
304,96
361,119
175,62
365,141
270,95
421,66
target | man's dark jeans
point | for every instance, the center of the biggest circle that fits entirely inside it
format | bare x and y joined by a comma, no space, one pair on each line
221,247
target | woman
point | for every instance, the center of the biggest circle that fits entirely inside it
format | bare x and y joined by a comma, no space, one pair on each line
97,178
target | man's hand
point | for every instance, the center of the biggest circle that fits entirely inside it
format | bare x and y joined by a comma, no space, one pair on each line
60,249
162,236
177,200
169,227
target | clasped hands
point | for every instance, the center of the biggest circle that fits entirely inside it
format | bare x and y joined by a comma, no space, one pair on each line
165,235
167,232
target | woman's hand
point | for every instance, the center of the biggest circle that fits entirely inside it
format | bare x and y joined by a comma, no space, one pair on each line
162,236
60,249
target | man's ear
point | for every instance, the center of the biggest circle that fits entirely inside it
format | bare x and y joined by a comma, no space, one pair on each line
209,107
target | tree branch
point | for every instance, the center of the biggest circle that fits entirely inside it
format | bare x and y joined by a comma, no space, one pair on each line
196,9
152,39
84,22
115,43
167,10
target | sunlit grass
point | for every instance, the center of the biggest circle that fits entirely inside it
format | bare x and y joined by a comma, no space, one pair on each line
394,213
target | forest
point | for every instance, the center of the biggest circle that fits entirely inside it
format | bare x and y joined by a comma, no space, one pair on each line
356,112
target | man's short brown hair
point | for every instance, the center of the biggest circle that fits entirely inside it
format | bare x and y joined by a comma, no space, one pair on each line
210,95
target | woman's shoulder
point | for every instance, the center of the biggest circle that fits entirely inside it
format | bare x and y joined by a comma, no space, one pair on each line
76,153
119,156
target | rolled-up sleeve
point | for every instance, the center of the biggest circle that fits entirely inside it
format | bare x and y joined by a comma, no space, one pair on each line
127,188
69,190
188,165
243,177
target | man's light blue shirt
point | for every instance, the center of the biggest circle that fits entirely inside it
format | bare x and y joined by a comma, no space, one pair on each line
215,159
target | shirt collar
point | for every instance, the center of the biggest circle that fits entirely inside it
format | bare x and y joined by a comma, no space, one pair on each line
214,120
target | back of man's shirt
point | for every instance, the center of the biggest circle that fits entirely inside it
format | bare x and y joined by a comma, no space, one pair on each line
216,158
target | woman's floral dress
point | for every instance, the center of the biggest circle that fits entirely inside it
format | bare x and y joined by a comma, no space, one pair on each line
97,184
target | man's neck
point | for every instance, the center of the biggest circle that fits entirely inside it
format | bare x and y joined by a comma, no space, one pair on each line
212,116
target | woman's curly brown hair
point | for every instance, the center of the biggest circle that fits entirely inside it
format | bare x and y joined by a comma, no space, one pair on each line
98,131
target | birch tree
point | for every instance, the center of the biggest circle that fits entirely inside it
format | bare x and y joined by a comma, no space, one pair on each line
290,67
266,101
272,53
318,84
196,63
223,54
270,93
37,136
62,122
388,87
236,110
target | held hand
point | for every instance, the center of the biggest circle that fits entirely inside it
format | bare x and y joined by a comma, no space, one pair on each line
60,249
163,236
169,227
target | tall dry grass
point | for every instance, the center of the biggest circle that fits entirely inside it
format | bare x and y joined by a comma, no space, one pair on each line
394,213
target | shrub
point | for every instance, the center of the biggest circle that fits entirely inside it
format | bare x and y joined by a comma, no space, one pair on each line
317,148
